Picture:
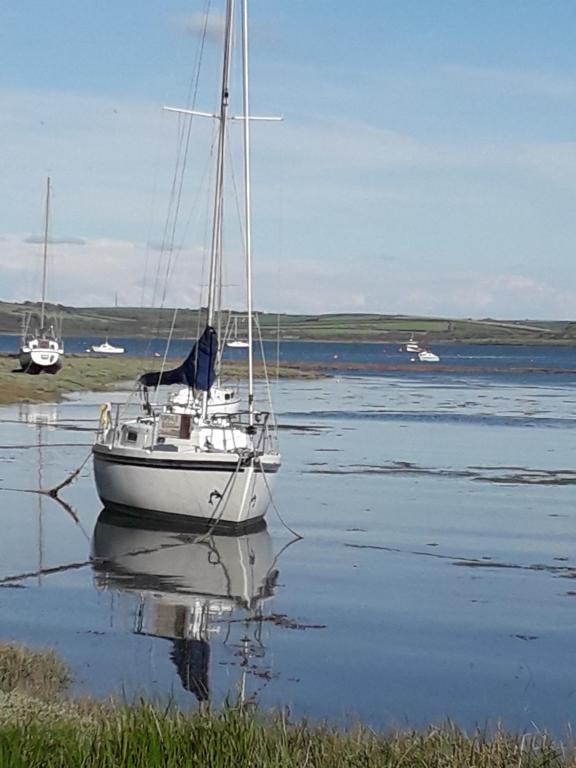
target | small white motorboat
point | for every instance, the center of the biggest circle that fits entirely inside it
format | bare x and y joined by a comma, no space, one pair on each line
237,344
425,356
107,349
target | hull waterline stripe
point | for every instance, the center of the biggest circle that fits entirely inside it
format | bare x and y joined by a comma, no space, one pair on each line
191,466
168,521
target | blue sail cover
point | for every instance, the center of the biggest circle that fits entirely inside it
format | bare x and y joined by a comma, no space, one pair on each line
197,371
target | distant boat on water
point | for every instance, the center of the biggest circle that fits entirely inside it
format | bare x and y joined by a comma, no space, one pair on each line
426,356
412,345
235,342
42,349
107,349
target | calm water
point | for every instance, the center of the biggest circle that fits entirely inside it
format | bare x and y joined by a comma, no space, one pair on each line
435,579
341,356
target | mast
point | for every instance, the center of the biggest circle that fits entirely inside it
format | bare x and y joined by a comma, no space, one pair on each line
45,254
216,245
214,296
247,210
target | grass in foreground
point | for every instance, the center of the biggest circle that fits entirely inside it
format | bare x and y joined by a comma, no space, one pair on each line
39,728
145,737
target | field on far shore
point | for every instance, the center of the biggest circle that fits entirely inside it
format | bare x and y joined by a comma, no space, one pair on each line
149,322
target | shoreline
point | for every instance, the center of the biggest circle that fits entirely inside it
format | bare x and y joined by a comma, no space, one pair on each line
431,339
90,373
39,716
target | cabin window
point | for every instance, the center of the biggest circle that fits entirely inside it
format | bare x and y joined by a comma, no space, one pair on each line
131,437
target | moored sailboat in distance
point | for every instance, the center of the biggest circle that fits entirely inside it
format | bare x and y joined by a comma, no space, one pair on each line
42,348
412,345
235,342
198,457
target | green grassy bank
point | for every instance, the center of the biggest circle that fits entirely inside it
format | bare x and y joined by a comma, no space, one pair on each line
144,737
95,374
41,727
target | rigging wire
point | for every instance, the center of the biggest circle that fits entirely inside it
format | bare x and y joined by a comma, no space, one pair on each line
265,371
175,199
167,347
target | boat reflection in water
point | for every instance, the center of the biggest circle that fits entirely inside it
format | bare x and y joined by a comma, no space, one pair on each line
190,587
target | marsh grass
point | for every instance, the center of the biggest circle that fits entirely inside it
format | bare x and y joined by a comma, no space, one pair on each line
146,737
40,674
82,372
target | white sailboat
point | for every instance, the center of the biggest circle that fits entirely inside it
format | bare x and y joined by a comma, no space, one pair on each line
105,348
42,349
235,342
412,345
198,456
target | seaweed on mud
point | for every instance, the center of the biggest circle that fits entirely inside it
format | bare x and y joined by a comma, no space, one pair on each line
518,475
561,571
278,619
304,429
526,637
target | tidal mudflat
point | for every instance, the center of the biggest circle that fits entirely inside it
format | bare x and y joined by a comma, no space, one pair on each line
434,580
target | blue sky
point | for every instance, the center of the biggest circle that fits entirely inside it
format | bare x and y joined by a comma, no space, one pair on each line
426,163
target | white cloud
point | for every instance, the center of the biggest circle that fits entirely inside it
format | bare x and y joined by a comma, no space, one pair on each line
198,24
94,273
36,239
535,82
343,190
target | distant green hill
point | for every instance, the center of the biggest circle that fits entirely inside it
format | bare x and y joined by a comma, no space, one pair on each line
126,322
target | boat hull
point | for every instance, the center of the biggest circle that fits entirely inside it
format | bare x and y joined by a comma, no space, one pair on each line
40,361
237,344
223,490
107,349
428,357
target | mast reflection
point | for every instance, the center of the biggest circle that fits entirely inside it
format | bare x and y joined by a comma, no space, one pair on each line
189,587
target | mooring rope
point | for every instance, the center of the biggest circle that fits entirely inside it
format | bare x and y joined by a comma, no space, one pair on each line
274,507
53,492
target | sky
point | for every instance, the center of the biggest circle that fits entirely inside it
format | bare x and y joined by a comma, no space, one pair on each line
425,164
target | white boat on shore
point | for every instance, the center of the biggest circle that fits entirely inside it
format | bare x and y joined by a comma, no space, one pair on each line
42,349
